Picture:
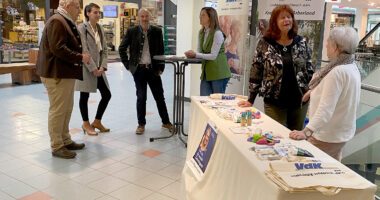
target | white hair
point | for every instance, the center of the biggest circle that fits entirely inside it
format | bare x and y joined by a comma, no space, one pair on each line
65,3
346,39
144,10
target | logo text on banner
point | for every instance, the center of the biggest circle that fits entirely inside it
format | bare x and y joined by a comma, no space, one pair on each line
303,9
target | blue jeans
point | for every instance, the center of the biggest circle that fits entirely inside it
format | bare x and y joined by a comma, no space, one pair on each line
211,87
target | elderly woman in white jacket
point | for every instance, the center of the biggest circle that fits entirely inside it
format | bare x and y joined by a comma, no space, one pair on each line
334,96
93,74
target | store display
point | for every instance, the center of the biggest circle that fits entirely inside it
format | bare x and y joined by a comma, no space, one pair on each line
26,33
128,20
109,32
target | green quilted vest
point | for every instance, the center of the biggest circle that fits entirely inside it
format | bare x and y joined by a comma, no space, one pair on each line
217,69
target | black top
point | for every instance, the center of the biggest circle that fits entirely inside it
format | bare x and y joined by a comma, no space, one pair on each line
134,42
290,93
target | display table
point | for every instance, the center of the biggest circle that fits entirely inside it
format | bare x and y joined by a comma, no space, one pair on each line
179,64
235,172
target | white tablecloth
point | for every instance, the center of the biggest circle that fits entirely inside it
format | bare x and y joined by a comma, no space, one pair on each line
235,173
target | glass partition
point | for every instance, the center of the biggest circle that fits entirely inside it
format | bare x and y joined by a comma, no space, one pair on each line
362,153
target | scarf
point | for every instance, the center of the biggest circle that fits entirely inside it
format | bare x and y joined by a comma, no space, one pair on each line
64,13
342,59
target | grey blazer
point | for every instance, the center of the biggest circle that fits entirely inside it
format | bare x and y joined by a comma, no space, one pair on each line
89,83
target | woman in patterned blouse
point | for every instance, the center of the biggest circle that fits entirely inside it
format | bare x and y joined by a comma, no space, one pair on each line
281,70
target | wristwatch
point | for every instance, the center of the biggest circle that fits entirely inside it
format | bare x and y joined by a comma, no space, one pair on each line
308,133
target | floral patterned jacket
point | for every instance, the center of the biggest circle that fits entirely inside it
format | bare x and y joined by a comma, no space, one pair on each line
266,72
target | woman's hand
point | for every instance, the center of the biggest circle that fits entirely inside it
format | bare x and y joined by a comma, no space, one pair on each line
306,96
190,54
297,135
231,62
101,70
96,73
244,104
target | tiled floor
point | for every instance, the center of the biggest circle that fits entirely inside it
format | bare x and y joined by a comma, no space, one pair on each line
115,165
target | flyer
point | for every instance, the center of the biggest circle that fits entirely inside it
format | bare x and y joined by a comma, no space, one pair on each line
204,151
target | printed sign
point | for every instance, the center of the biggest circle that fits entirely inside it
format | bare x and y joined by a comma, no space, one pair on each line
303,9
233,21
202,155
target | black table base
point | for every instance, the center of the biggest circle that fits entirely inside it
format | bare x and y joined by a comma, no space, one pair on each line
179,64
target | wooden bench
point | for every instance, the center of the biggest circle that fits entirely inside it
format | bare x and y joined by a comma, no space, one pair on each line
22,73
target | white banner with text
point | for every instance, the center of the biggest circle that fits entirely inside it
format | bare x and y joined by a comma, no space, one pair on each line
233,20
303,9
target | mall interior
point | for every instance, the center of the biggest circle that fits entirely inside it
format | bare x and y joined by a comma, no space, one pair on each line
123,165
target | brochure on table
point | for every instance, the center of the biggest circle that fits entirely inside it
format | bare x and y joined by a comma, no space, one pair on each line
198,164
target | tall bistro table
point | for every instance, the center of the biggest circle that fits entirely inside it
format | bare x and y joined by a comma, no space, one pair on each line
179,63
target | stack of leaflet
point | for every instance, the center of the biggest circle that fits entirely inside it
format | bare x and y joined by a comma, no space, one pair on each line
326,177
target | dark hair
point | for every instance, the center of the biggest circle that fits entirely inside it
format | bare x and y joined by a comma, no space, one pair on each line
88,8
213,15
273,32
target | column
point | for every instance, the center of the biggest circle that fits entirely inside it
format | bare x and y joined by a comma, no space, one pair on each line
361,19
187,38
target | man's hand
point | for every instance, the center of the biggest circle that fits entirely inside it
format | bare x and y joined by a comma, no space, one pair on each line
190,54
244,104
86,58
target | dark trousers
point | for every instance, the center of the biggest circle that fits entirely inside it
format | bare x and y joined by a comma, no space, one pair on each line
292,118
106,96
144,77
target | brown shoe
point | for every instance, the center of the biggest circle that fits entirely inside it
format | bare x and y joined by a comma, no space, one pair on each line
98,125
75,146
140,129
169,126
64,153
89,130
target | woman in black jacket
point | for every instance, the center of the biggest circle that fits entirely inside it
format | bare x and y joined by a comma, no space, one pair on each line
281,70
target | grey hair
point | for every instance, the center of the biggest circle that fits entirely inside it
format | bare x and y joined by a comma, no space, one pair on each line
144,10
64,3
346,39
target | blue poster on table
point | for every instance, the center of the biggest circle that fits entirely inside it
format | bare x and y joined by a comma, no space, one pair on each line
205,148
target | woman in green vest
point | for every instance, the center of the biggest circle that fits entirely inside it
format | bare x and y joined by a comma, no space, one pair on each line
215,71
